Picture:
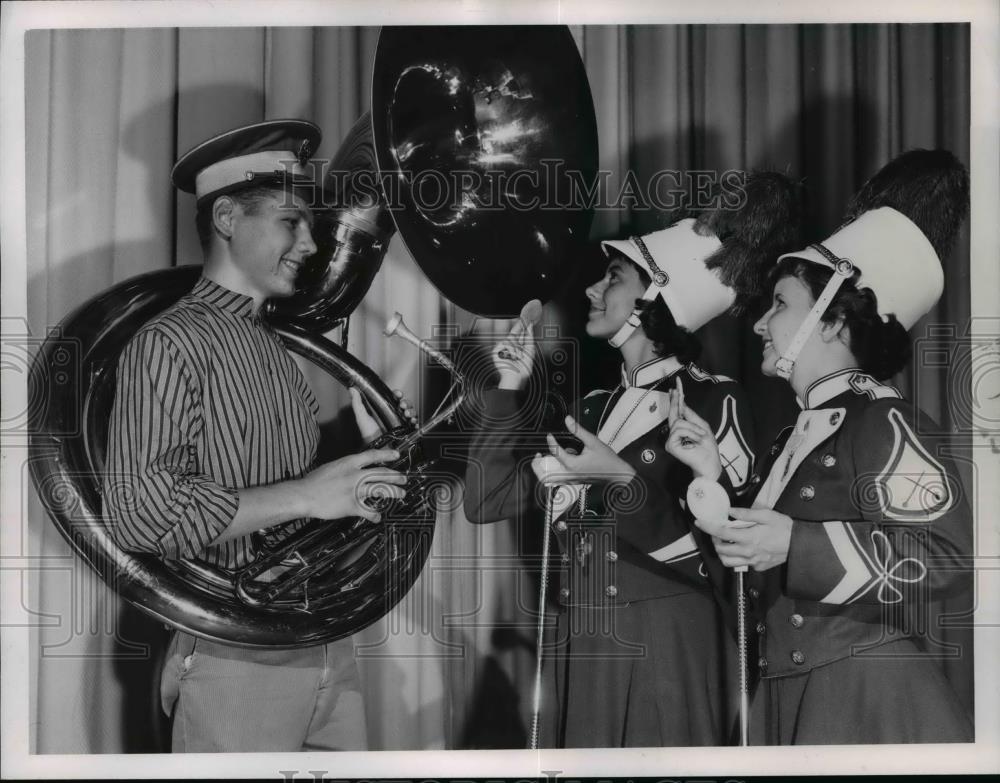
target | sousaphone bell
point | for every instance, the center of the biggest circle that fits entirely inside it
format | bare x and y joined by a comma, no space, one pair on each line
503,117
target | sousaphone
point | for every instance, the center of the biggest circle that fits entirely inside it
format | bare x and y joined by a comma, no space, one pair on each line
473,134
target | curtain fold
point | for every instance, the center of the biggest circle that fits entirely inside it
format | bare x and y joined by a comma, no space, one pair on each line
109,111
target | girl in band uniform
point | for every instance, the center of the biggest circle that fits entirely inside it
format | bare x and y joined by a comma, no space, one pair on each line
640,653
858,520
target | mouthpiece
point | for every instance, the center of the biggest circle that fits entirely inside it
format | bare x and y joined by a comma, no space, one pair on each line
531,313
392,325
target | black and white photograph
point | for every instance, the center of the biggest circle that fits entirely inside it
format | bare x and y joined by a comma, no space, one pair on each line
470,389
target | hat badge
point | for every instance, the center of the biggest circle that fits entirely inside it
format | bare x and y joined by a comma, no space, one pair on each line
845,267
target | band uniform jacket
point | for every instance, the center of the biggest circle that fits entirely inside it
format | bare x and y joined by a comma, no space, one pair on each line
881,526
639,627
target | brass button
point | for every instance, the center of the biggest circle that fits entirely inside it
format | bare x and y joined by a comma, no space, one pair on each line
565,557
611,591
798,658
612,556
762,663
561,525
761,627
755,479
564,592
829,460
754,593
796,620
807,492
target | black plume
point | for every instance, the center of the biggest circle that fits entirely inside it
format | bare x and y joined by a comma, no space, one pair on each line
757,227
930,187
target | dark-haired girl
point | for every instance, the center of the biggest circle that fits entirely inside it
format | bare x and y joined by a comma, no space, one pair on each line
640,654
859,520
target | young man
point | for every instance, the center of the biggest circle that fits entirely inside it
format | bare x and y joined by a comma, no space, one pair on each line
215,429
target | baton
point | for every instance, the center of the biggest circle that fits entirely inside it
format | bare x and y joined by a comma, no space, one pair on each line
707,500
536,701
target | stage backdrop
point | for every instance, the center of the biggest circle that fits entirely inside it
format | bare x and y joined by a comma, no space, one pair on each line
109,111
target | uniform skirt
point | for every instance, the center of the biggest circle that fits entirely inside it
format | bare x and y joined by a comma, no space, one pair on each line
896,697
654,673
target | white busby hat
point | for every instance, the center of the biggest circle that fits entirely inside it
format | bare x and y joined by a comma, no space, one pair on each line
701,267
895,259
265,153
674,259
900,227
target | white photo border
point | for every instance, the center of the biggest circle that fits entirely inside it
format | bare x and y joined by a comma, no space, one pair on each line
673,763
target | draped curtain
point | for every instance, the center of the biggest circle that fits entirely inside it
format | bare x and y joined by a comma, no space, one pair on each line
109,111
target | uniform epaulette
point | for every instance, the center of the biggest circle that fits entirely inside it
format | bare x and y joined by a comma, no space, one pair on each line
862,383
701,375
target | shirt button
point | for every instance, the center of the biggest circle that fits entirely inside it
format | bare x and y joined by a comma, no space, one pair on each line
612,556
762,663
829,460
611,591
798,658
796,620
761,627
807,492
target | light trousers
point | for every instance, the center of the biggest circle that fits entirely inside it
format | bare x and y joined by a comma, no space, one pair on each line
230,699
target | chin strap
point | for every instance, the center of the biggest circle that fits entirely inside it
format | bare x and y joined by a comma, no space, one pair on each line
843,269
660,280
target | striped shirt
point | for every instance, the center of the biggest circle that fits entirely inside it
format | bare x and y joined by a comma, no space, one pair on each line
208,401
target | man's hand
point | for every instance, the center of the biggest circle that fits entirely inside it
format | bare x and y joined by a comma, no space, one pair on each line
514,356
368,426
691,440
756,537
596,462
341,488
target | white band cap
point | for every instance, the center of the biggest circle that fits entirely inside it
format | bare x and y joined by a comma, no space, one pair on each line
243,169
895,259
694,293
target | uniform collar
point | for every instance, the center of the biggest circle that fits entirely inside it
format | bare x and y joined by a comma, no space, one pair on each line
650,372
230,301
828,387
